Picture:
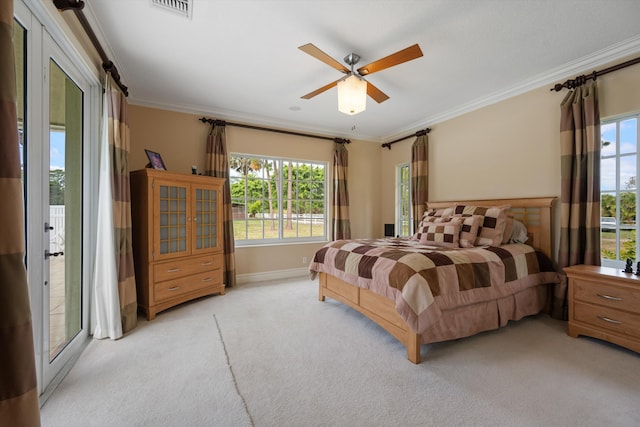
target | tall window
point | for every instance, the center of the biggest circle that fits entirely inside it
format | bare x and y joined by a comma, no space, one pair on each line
277,200
619,189
403,202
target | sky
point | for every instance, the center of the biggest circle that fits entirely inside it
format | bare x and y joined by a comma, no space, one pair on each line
56,160
626,141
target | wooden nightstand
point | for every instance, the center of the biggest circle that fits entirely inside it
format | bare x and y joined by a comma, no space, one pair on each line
604,303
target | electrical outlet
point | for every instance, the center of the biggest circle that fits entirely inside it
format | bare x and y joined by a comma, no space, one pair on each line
304,259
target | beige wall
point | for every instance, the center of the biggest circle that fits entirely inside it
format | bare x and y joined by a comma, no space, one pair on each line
180,139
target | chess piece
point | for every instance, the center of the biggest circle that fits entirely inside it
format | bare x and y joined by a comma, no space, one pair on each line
637,273
628,268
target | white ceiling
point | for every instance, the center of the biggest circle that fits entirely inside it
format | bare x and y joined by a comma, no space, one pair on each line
239,60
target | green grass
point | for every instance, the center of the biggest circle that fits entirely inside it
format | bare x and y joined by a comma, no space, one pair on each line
253,230
608,240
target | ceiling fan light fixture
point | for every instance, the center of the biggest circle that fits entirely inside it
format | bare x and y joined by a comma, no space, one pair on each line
352,95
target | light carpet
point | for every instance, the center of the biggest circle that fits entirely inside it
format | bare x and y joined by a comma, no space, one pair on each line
295,361
171,371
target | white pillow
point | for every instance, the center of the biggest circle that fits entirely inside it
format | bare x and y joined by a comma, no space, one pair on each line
519,232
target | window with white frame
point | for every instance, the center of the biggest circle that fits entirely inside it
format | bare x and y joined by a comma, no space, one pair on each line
619,189
277,200
403,200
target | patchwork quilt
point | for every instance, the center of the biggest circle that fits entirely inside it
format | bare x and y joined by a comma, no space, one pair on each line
426,280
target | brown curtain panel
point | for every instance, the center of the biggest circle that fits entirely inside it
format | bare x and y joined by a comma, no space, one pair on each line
18,385
341,224
217,164
119,147
419,177
580,187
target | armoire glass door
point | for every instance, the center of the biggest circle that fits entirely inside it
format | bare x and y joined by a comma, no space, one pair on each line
205,219
171,221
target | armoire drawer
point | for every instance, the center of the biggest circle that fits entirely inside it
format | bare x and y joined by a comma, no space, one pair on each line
185,267
177,287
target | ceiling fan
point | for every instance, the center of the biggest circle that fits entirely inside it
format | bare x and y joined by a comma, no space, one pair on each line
404,55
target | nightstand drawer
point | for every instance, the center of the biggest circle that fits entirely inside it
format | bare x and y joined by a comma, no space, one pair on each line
618,297
607,318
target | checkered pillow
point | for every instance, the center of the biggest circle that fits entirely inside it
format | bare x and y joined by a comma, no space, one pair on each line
469,230
446,234
494,219
439,212
426,222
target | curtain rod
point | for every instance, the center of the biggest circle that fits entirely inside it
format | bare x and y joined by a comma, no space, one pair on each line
573,83
107,64
419,133
240,125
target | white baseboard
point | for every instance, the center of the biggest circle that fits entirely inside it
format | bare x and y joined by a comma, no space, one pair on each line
272,275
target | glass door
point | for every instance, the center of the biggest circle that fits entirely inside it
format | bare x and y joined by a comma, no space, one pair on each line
64,211
64,225
58,103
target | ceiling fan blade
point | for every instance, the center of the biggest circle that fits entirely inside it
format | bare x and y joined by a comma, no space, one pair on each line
319,91
375,93
320,55
404,55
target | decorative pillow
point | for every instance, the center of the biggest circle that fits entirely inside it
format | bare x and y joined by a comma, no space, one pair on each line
440,212
508,228
426,221
445,234
469,230
493,222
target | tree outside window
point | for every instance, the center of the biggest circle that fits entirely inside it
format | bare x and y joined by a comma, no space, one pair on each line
277,200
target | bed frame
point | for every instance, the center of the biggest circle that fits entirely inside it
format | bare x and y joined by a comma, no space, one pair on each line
535,213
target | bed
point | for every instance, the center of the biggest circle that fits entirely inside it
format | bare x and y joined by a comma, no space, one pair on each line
427,289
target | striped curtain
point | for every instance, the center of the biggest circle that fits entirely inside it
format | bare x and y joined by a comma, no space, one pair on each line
419,177
580,175
114,237
341,223
18,384
217,164
119,145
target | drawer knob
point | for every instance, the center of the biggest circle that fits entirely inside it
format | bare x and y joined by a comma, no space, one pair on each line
207,263
174,288
609,297
207,279
173,270
606,319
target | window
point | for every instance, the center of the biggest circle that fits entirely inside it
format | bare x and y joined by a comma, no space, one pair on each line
403,201
619,190
277,200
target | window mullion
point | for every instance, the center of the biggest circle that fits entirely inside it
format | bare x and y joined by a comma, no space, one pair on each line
637,184
280,198
618,193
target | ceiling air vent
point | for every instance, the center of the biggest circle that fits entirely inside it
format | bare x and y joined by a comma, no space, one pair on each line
181,7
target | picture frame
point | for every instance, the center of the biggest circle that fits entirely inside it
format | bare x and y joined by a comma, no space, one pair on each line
155,160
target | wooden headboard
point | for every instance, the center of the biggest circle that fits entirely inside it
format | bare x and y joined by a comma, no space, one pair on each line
533,212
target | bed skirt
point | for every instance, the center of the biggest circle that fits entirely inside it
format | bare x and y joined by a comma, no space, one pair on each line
485,316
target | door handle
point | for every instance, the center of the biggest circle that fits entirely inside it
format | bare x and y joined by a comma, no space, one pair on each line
47,254
47,227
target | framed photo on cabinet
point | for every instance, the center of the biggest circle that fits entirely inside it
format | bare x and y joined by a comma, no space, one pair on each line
155,160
